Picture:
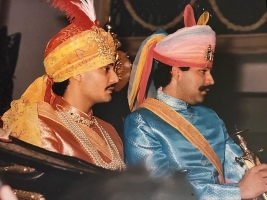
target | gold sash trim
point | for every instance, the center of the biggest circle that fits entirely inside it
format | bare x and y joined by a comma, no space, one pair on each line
186,129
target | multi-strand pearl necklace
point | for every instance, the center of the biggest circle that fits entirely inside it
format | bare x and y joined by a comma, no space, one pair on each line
71,122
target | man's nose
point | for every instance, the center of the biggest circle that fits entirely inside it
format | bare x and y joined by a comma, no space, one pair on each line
210,80
114,77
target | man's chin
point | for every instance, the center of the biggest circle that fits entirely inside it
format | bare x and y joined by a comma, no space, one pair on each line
105,100
108,99
199,101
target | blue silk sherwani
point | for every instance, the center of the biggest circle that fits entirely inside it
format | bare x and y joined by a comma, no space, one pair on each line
151,142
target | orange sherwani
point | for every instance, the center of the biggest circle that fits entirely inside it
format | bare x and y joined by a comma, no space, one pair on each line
55,136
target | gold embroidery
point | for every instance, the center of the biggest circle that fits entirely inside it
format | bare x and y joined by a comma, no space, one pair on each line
118,66
102,42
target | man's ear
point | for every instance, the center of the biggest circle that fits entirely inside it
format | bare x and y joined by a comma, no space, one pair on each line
175,72
78,77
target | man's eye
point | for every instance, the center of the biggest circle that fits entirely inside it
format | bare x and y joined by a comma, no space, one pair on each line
106,68
203,71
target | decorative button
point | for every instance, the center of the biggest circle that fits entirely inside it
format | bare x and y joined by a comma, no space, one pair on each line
190,116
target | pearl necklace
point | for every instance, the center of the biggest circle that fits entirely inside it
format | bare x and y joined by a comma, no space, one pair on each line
116,162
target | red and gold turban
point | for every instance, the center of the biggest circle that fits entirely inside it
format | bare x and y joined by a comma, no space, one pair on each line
74,51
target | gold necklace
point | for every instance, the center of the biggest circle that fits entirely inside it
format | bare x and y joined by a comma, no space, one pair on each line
116,162
77,118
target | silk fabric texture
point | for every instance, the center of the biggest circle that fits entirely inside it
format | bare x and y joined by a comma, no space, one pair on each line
153,143
54,136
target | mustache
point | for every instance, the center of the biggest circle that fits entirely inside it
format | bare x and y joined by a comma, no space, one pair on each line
204,87
110,86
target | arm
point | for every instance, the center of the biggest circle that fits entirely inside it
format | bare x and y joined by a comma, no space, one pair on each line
204,177
142,146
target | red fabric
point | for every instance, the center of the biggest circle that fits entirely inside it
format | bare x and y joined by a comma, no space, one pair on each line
145,74
189,18
78,19
74,14
49,95
179,63
65,34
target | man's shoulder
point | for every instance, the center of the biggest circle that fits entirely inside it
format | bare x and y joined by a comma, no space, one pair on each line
45,108
206,113
47,113
203,108
141,114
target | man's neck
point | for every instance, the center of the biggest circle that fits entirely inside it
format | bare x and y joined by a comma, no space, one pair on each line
78,103
169,90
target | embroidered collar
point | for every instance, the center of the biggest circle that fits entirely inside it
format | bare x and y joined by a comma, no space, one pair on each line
176,104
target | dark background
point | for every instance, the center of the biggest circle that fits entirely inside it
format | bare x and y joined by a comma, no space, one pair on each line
161,12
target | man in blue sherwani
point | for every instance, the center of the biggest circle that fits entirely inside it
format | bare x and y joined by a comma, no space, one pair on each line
173,132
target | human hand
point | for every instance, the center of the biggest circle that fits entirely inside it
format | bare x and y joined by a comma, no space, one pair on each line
254,182
6,193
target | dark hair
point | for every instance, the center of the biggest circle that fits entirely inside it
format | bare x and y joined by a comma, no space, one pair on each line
162,74
60,87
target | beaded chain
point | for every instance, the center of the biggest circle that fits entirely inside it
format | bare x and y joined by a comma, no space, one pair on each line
116,162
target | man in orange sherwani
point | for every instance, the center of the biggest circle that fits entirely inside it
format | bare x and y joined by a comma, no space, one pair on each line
55,112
